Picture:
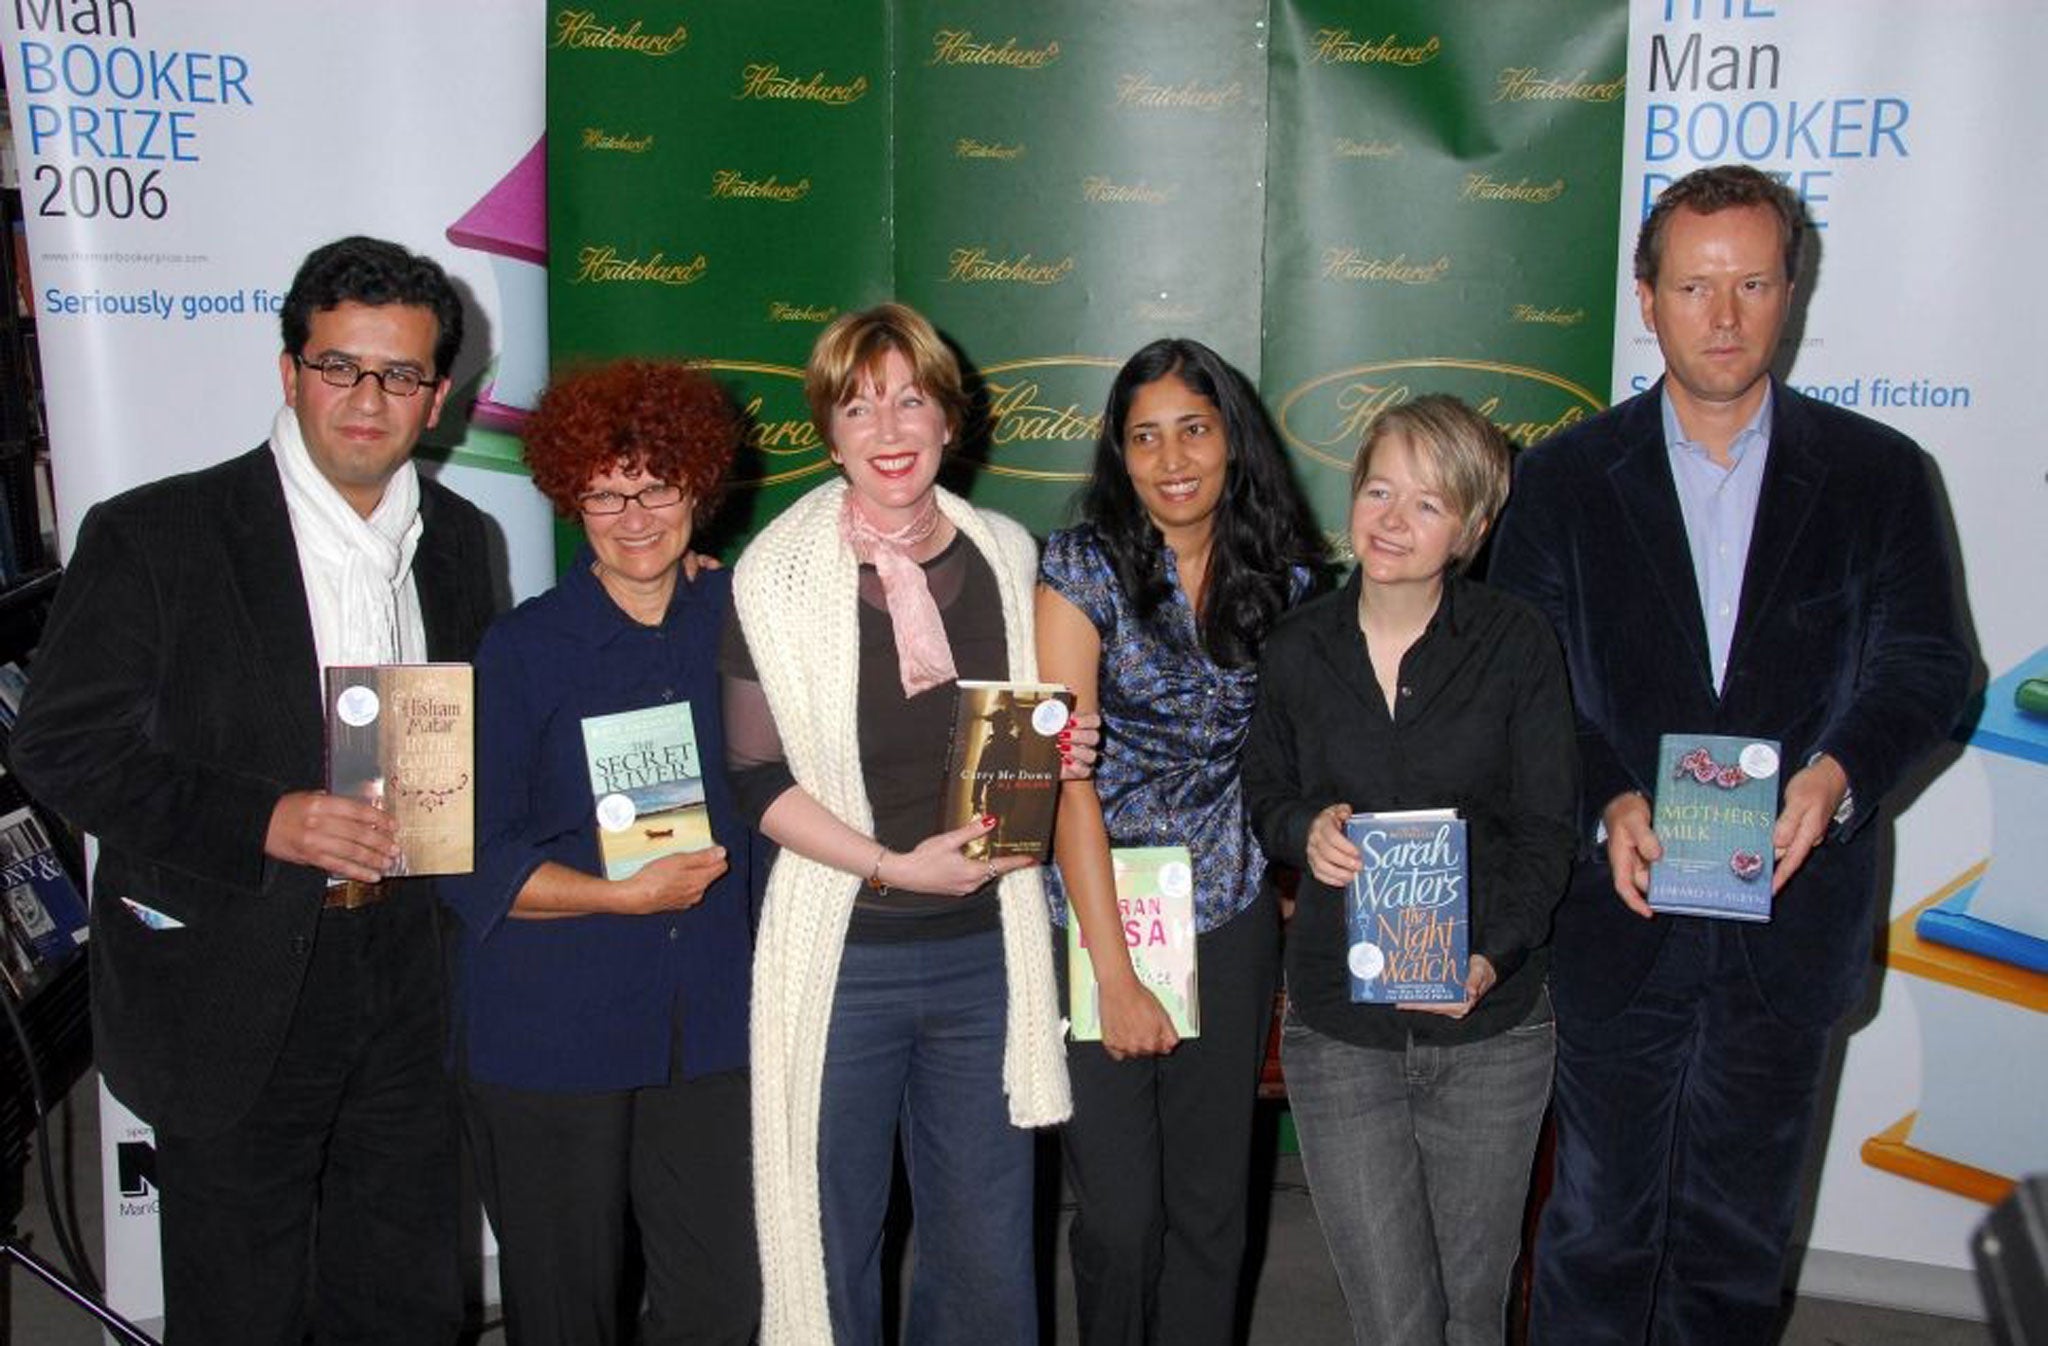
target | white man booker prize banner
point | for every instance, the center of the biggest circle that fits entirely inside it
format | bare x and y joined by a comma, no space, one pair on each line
1905,127
177,159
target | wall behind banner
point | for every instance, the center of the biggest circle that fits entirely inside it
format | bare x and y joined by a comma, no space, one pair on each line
167,213
1341,199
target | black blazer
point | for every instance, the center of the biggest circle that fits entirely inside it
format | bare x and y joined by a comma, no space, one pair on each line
175,697
1847,642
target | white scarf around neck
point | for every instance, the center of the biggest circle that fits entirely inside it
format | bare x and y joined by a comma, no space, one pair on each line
357,571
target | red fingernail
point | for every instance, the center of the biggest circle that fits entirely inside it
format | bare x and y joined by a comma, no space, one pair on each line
988,820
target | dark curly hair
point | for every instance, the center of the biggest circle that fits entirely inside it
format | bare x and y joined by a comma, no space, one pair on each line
360,270
672,422
1263,526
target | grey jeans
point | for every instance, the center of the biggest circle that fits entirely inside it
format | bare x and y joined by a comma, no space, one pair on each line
1418,1161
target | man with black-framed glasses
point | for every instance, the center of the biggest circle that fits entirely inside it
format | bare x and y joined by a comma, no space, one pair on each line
262,994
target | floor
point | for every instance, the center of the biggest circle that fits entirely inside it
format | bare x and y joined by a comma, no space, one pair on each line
1295,1302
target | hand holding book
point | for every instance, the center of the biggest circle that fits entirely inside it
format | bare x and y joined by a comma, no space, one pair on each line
1632,847
1812,797
1332,858
674,882
1134,1023
1479,979
939,864
333,834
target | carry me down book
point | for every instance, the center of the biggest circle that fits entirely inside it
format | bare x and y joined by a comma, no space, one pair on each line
1005,760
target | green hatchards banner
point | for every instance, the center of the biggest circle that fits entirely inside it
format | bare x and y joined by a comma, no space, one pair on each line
1444,200
1353,203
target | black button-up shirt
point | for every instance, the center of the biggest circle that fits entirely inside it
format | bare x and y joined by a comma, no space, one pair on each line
1482,723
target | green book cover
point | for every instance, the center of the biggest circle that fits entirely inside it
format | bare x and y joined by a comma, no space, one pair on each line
1717,801
647,782
1155,897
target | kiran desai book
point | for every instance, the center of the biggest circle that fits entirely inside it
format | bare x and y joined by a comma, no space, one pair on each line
1717,801
1409,909
647,781
403,737
1005,760
1155,899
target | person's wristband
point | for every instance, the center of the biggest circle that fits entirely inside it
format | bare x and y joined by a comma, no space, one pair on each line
875,874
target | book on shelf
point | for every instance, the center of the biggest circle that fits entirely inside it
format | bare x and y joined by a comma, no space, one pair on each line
43,915
403,738
1716,803
1408,913
1155,900
13,687
647,785
1005,760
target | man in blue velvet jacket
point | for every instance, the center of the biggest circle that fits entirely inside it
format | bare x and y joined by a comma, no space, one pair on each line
1719,555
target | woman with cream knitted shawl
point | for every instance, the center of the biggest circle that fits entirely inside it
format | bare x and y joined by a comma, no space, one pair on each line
899,985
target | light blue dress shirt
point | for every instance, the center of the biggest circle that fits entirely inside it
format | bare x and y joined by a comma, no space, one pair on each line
1719,505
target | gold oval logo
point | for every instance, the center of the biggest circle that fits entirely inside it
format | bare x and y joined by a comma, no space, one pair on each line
782,445
1325,418
1043,415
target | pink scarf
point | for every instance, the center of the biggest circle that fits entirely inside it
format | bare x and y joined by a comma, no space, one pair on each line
924,658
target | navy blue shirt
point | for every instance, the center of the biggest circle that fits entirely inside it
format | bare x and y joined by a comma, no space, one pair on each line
592,1003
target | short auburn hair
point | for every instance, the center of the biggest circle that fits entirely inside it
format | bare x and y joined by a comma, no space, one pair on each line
664,419
850,352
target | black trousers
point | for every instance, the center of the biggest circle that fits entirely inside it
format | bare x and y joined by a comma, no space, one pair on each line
1158,1155
566,1177
355,1135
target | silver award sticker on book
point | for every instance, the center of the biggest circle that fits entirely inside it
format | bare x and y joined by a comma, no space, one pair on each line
1048,717
357,706
615,812
1367,961
1759,761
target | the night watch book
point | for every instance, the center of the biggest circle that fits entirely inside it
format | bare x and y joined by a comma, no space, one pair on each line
647,783
1409,908
403,737
1717,801
1005,760
1155,903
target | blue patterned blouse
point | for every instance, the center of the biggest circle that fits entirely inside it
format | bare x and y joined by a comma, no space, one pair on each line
1173,723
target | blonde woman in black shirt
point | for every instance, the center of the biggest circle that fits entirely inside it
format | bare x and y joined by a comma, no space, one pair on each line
1413,687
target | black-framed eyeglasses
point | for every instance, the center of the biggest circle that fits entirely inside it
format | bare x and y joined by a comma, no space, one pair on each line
338,371
658,496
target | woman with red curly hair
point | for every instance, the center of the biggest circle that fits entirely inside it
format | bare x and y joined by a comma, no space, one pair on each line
601,1022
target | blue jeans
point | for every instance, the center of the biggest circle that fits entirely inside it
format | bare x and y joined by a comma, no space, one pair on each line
1682,1126
1418,1161
916,1048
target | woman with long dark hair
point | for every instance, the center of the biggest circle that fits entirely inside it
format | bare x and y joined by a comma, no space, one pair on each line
1195,541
